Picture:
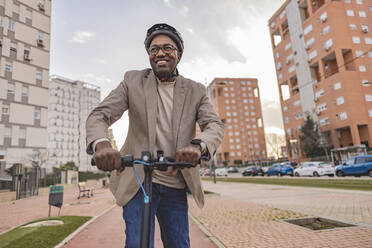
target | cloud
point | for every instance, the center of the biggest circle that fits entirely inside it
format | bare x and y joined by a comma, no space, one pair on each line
82,37
101,61
272,114
167,2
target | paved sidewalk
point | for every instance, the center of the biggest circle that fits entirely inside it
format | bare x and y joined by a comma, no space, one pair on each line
239,221
108,231
15,213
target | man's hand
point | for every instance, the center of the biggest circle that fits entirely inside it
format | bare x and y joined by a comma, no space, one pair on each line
189,154
107,158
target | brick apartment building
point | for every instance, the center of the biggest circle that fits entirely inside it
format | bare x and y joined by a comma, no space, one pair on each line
24,80
323,55
237,101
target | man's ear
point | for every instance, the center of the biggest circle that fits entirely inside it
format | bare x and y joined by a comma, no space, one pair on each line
179,55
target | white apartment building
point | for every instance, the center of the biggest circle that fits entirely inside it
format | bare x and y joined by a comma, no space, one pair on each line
70,103
24,79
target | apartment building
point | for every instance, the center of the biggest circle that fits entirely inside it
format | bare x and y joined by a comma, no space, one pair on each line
70,103
24,80
237,101
323,55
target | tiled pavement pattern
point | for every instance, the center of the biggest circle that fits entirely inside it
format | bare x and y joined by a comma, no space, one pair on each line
347,205
108,231
239,223
15,213
243,224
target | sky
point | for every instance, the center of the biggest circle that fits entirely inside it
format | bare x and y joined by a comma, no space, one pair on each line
98,41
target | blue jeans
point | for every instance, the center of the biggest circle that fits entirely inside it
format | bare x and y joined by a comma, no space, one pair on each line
171,208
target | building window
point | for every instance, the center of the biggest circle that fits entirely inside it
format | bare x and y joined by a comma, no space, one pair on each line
359,1
24,91
37,114
352,26
7,132
11,25
356,40
286,120
324,121
22,133
370,113
313,54
343,116
349,12
29,14
365,82
308,29
11,88
16,9
13,47
358,53
362,14
322,107
340,100
364,28
337,85
326,30
362,68
368,40
368,98
8,67
297,103
5,110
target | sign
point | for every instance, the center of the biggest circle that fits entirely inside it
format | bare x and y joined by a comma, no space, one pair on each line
56,196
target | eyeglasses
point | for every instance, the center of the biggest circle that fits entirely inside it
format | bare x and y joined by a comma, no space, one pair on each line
167,49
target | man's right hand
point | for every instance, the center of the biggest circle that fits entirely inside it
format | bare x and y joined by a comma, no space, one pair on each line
107,158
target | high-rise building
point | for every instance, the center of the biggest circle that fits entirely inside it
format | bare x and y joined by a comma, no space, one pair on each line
70,103
237,101
112,139
24,80
323,55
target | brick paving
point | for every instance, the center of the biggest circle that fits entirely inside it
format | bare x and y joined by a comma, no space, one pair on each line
238,220
348,205
108,231
15,213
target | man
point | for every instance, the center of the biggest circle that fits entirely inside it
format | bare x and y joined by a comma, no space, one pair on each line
163,109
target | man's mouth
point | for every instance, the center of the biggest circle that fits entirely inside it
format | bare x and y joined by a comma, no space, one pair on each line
161,62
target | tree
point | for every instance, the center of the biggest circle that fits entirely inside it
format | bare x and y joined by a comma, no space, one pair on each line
275,142
310,138
69,166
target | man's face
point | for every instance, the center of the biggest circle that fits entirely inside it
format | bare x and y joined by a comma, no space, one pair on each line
163,64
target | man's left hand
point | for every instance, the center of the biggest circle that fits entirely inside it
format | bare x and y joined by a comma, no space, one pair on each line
188,154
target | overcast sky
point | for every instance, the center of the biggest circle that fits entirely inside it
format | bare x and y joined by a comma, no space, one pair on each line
98,41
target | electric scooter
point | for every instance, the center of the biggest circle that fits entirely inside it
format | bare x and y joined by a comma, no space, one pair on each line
159,163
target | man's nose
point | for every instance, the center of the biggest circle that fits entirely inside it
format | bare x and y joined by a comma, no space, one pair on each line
161,53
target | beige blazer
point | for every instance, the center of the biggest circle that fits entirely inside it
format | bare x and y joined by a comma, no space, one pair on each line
137,93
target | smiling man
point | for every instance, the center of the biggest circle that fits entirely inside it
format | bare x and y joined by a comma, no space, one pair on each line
163,109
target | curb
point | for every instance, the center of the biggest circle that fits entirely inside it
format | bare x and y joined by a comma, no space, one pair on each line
77,231
210,236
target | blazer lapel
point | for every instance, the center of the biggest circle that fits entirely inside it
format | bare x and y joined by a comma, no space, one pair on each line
150,89
179,96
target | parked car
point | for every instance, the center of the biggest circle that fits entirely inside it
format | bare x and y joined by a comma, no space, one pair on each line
356,166
253,171
221,172
315,168
207,172
232,169
280,169
264,170
202,171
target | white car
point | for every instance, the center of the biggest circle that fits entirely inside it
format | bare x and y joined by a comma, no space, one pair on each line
221,172
315,169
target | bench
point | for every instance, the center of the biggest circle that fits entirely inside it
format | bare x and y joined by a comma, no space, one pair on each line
83,189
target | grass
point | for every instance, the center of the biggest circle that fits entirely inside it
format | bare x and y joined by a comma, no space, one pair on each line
44,236
348,184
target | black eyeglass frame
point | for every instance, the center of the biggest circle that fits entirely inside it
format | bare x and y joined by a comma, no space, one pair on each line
169,47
